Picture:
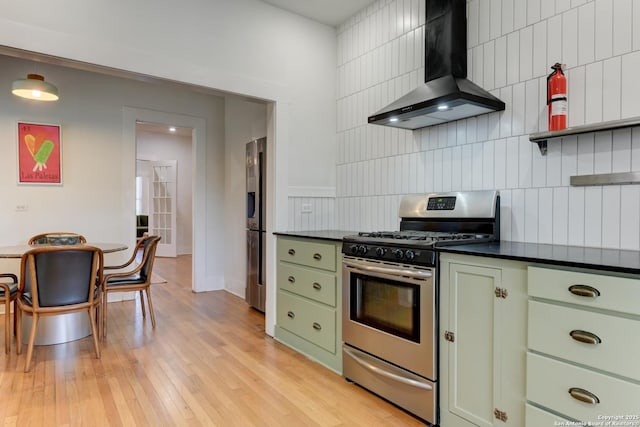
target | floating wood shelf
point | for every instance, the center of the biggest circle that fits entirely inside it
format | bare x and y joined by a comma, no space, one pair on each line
541,138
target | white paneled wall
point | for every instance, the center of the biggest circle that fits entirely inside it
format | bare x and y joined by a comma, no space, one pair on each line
311,213
511,46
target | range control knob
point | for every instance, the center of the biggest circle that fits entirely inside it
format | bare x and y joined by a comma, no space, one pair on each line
354,249
410,255
380,251
398,253
362,249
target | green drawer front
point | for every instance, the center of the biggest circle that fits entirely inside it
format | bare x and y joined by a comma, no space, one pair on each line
312,254
309,320
312,284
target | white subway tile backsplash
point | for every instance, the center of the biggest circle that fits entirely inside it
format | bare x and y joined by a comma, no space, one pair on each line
577,215
593,216
630,217
511,45
500,58
525,154
611,89
500,163
570,38
513,57
489,65
622,26
484,21
604,25
602,152
554,41
575,95
495,20
519,14
560,215
512,162
586,33
531,228
507,16
629,84
545,215
611,216
593,96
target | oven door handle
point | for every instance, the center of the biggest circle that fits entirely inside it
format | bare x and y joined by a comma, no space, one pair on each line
376,370
414,274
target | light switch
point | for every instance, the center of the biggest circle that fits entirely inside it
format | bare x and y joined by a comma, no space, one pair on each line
22,208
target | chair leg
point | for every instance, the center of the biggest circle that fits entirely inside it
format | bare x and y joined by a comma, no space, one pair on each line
7,326
18,313
144,314
153,317
32,338
105,304
94,331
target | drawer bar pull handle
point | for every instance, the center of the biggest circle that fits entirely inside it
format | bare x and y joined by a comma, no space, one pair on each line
291,279
292,252
317,256
584,396
317,286
585,337
291,314
584,291
317,326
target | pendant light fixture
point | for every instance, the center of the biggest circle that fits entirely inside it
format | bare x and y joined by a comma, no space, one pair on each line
34,87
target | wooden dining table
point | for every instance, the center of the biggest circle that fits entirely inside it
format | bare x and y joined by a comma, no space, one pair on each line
65,327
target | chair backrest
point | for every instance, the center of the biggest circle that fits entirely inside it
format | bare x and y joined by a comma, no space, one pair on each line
149,246
57,238
61,275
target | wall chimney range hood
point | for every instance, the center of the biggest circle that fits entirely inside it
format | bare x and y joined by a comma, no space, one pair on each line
447,95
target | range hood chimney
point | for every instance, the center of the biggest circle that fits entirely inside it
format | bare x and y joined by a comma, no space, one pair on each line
447,95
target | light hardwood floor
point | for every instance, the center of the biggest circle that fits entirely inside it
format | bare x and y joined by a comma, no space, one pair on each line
207,363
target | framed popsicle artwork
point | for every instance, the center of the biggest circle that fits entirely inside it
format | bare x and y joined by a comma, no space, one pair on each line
39,154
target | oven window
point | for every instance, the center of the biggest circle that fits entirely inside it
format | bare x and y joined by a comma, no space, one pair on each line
386,305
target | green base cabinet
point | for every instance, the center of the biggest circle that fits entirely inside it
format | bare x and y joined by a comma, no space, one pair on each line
308,303
483,329
584,347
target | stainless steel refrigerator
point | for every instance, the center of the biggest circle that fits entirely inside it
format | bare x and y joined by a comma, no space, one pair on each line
256,162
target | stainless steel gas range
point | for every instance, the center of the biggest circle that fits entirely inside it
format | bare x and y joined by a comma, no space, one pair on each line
390,295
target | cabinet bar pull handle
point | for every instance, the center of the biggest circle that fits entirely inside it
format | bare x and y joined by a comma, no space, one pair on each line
585,337
292,252
291,279
317,256
317,326
291,314
584,291
317,286
584,395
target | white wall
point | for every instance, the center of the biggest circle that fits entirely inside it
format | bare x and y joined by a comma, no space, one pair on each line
162,146
511,45
244,121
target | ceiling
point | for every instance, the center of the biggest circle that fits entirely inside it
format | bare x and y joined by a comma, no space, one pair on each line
329,12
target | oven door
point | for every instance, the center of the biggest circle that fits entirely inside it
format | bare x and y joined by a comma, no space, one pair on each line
388,310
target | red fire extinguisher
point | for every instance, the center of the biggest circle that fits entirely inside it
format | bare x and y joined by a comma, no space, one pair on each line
557,98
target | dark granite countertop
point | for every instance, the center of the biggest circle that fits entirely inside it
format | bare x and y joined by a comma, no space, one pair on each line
623,261
336,235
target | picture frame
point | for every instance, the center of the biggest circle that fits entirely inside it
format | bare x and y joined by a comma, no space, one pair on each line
39,148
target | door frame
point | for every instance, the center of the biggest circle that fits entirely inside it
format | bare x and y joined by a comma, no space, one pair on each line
198,164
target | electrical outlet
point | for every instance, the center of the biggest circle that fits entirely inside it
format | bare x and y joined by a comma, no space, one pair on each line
22,208
306,208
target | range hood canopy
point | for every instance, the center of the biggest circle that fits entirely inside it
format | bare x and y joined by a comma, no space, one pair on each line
447,95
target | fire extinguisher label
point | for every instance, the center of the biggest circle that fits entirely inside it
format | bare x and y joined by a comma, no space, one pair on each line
559,107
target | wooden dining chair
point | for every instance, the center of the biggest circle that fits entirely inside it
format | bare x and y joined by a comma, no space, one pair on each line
57,238
57,280
136,278
8,294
